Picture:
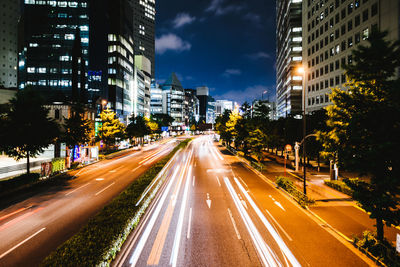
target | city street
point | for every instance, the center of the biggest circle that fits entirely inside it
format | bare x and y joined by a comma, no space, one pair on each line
30,230
214,211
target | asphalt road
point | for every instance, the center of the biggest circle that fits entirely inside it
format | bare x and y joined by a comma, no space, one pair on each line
214,211
31,229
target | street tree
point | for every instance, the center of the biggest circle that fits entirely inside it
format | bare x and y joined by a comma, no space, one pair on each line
137,128
257,140
26,129
78,130
163,120
111,128
221,128
364,128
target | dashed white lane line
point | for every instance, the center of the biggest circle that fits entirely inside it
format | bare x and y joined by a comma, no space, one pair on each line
280,227
193,180
135,169
189,223
21,243
234,224
104,189
73,191
219,183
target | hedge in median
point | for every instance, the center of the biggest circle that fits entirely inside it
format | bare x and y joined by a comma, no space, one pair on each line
287,185
92,244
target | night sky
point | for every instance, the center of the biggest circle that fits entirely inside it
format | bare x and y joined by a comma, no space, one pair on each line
227,45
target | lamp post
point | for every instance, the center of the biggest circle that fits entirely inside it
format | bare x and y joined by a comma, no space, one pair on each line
302,70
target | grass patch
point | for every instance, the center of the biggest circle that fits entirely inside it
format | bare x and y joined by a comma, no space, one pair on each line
339,186
287,185
100,239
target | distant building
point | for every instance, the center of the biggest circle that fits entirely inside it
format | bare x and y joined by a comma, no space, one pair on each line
54,48
202,94
331,32
289,57
221,106
191,107
9,16
156,99
144,30
143,64
175,96
7,94
270,105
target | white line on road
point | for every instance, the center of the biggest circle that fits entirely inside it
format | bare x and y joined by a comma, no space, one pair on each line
218,181
234,224
100,179
189,223
19,244
193,181
69,193
115,170
101,191
280,227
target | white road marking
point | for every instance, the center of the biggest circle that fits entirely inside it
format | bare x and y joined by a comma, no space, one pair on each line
269,227
193,181
279,205
234,224
104,189
100,179
178,233
243,182
208,201
218,181
189,223
69,193
21,243
115,170
280,227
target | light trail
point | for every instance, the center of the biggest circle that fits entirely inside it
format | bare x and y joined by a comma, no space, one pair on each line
269,227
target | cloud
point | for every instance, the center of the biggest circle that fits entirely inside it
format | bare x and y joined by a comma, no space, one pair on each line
171,42
259,55
183,19
218,8
254,18
231,72
249,94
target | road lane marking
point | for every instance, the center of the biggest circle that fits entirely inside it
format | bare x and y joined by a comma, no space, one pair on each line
218,181
243,182
115,170
269,227
234,224
100,179
189,223
69,193
280,227
104,189
21,243
135,169
13,213
142,242
208,201
194,178
266,255
178,233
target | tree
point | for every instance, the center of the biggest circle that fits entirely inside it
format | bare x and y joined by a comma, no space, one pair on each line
26,129
364,128
163,120
78,130
138,127
220,126
111,128
257,141
231,130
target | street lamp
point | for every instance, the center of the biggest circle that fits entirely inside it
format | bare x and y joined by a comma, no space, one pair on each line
301,70
103,104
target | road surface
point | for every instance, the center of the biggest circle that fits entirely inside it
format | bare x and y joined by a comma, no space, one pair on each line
30,230
215,211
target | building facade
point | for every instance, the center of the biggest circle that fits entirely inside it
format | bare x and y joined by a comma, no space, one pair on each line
221,106
9,17
144,30
143,65
191,107
174,100
202,94
332,29
289,57
156,98
54,48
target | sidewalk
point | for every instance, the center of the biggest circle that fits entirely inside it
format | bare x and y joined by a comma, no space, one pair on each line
331,207
9,167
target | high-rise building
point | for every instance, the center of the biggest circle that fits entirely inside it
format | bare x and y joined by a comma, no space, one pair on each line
9,16
332,29
54,48
289,57
144,29
202,94
143,65
191,107
156,98
221,106
175,95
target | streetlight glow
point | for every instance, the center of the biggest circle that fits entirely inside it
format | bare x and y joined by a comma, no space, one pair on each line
301,70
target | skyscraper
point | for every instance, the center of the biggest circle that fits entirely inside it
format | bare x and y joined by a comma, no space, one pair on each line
332,29
175,96
289,57
202,94
9,16
144,29
53,50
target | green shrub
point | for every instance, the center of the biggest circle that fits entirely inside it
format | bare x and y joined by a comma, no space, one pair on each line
58,165
383,251
339,186
101,238
287,185
13,183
